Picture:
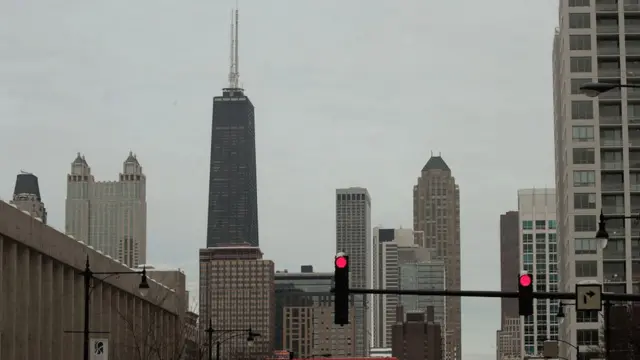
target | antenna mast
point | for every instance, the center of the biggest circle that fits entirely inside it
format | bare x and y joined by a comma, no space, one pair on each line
234,74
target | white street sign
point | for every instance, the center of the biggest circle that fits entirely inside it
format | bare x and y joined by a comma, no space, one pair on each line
589,297
99,349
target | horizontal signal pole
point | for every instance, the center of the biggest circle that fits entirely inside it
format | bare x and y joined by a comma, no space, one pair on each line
491,294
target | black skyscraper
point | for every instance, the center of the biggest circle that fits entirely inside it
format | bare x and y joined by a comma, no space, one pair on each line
233,195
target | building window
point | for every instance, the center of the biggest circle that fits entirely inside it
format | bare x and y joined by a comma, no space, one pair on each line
579,42
587,316
587,337
580,64
587,268
585,222
585,246
582,109
579,3
583,133
579,21
527,225
541,225
576,84
527,238
584,200
552,225
584,156
584,178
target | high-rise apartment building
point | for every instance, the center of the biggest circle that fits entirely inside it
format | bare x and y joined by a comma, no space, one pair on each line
353,237
111,216
304,316
237,291
436,213
597,143
26,196
233,192
508,337
539,246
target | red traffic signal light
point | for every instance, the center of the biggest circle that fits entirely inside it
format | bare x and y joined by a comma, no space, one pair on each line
525,280
341,262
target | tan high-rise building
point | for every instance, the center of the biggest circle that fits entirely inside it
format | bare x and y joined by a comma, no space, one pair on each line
42,298
111,216
436,212
237,291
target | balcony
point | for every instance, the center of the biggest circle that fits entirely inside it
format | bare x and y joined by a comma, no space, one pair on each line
634,187
631,7
633,93
633,50
606,7
611,165
634,143
611,142
608,50
632,29
612,94
613,210
614,254
613,187
609,72
610,120
607,29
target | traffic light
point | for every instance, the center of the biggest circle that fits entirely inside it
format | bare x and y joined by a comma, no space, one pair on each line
525,294
341,292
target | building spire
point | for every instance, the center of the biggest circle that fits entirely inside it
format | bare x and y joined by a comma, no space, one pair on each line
234,68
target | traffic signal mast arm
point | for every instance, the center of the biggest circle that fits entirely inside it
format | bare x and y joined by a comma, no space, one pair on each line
492,294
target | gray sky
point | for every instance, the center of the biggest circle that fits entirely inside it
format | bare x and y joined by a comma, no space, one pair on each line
347,93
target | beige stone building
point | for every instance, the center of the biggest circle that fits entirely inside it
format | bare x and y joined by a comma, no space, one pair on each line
436,213
42,298
237,292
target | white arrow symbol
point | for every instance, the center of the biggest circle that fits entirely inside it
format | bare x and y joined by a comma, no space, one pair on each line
588,296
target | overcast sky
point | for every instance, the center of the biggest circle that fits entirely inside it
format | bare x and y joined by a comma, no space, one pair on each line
347,93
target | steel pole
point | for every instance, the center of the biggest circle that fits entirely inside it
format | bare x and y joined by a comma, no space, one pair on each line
217,350
210,333
87,296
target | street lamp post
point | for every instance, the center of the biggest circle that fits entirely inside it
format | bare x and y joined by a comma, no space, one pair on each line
251,335
606,314
594,89
88,275
544,339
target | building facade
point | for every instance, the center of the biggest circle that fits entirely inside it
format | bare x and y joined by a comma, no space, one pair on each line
509,271
539,246
429,275
26,196
417,337
597,155
237,292
233,189
304,316
42,298
353,237
111,216
436,213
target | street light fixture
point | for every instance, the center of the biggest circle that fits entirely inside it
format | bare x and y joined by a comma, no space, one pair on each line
251,335
88,275
602,233
594,89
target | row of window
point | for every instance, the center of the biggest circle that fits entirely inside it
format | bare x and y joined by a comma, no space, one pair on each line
540,224
584,64
540,238
583,21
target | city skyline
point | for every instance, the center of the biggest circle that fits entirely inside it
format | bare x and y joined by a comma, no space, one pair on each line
322,117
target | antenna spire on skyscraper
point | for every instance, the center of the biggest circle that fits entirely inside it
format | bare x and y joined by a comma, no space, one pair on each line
234,68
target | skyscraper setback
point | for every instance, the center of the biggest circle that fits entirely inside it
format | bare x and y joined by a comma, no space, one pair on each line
233,195
436,213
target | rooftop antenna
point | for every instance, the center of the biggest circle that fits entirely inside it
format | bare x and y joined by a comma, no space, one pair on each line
233,56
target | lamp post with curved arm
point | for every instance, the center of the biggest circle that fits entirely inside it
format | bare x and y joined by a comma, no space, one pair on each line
88,275
251,335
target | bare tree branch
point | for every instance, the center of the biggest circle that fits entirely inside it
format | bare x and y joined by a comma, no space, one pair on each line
149,339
